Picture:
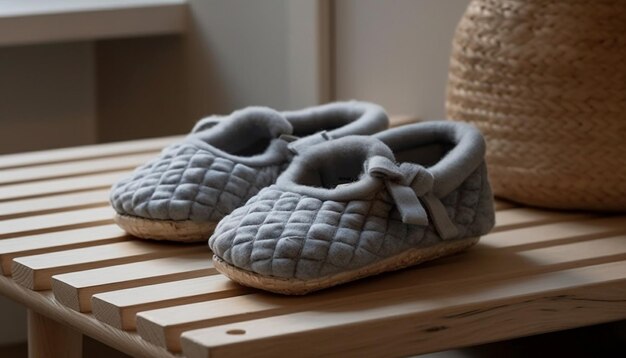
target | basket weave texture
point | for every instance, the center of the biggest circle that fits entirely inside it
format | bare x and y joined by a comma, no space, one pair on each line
545,81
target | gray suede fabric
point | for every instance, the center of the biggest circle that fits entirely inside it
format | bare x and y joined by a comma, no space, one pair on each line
336,207
225,161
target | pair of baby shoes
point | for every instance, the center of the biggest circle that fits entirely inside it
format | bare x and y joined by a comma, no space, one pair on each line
346,206
183,193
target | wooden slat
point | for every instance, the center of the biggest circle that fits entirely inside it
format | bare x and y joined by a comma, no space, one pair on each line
65,220
522,217
549,233
76,288
401,322
164,326
85,152
80,167
560,232
397,121
49,338
555,269
500,204
58,186
35,272
44,303
118,308
56,241
46,204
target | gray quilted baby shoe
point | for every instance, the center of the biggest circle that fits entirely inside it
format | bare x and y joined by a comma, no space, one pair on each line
182,194
358,206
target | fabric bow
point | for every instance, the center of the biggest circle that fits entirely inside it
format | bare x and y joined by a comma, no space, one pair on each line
410,186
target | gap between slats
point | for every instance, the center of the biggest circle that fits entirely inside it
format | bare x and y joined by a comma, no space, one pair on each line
505,220
44,303
54,203
75,289
81,167
85,152
164,326
120,307
510,217
57,241
35,272
37,224
411,321
60,186
515,218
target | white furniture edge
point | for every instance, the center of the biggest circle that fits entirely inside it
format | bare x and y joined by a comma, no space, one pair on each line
36,22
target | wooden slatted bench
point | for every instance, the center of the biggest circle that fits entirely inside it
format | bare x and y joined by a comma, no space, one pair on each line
78,274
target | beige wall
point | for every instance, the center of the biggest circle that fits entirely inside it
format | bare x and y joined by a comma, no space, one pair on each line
395,52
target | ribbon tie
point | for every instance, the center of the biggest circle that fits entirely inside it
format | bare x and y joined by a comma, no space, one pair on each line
410,186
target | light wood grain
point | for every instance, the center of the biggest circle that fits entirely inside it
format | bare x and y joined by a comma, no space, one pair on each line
164,326
520,217
57,241
118,308
79,167
59,186
76,289
35,272
401,120
500,204
49,222
396,323
47,204
43,302
556,233
85,152
537,271
48,338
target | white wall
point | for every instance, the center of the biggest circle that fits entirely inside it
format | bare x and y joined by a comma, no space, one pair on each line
238,53
395,52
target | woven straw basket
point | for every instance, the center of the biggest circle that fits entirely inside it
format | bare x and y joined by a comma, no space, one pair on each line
545,81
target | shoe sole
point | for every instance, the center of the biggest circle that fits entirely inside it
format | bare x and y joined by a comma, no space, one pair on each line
166,230
294,286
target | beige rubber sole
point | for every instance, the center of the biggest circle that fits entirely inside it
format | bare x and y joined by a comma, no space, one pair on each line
170,230
300,287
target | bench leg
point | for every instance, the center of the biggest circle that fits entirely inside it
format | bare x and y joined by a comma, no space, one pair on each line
51,339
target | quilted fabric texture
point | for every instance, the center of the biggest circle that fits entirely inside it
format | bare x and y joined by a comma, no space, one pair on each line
289,235
223,162
189,183
287,231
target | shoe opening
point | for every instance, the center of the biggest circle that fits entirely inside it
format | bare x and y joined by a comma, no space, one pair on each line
246,133
337,163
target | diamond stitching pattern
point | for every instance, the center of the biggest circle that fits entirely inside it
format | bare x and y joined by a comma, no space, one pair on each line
293,236
189,183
